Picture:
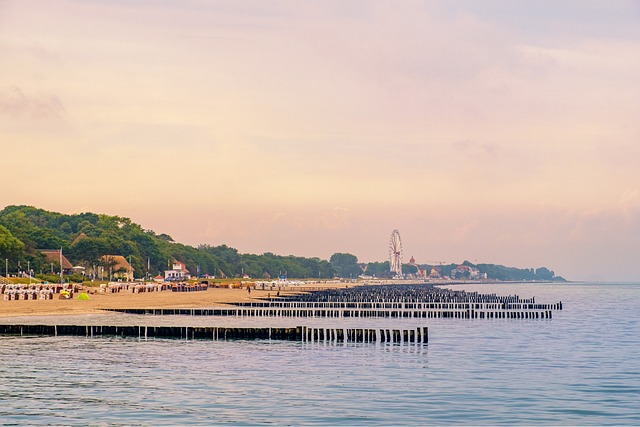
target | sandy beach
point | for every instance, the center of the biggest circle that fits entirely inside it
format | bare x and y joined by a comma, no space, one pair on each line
98,302
212,297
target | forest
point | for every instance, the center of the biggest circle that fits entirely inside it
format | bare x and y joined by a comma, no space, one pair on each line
86,237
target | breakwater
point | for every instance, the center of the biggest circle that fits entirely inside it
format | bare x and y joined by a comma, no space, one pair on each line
457,311
298,333
390,301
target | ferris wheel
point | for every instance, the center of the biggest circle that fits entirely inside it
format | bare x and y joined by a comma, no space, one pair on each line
395,253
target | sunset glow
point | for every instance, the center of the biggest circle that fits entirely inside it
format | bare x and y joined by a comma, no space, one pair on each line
497,132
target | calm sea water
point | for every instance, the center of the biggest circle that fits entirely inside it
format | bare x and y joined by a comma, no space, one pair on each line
580,368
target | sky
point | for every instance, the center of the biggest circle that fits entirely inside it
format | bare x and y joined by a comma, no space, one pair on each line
501,132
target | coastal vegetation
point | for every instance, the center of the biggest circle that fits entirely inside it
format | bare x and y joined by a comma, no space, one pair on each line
86,238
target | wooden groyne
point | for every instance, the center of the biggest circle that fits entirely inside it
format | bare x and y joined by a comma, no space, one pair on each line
403,301
298,333
468,309
389,301
417,335
283,309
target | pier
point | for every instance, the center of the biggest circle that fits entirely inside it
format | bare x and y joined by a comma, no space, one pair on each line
299,333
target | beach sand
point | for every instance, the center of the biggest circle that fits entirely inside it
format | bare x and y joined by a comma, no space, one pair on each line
212,297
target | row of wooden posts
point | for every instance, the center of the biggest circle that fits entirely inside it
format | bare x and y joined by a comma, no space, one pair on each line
298,333
399,305
460,313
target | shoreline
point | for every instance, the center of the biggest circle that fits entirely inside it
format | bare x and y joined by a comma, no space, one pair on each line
100,303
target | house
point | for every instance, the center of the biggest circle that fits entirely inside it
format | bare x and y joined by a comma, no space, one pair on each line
177,273
55,256
118,267
79,238
419,272
465,272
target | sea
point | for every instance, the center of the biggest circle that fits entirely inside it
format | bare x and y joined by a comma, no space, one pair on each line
582,367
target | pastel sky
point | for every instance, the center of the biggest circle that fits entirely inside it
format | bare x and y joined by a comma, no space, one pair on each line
505,132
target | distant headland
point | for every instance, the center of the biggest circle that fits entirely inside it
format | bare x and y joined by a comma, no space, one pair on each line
46,245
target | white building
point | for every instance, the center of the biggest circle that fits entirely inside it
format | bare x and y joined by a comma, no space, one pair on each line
177,273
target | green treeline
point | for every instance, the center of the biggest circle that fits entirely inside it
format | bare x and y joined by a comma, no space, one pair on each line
86,237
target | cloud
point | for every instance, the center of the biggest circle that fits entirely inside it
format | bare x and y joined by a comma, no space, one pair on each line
161,137
43,54
481,129
630,200
337,219
552,22
630,205
462,232
14,103
476,148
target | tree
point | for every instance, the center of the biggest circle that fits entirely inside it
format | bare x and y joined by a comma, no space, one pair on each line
544,273
26,229
89,249
409,269
11,248
108,263
379,269
345,265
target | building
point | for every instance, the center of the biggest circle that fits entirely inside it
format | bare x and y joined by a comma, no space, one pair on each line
78,269
419,272
435,273
117,267
55,256
465,272
177,273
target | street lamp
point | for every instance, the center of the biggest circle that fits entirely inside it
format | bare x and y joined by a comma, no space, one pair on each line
6,268
29,270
